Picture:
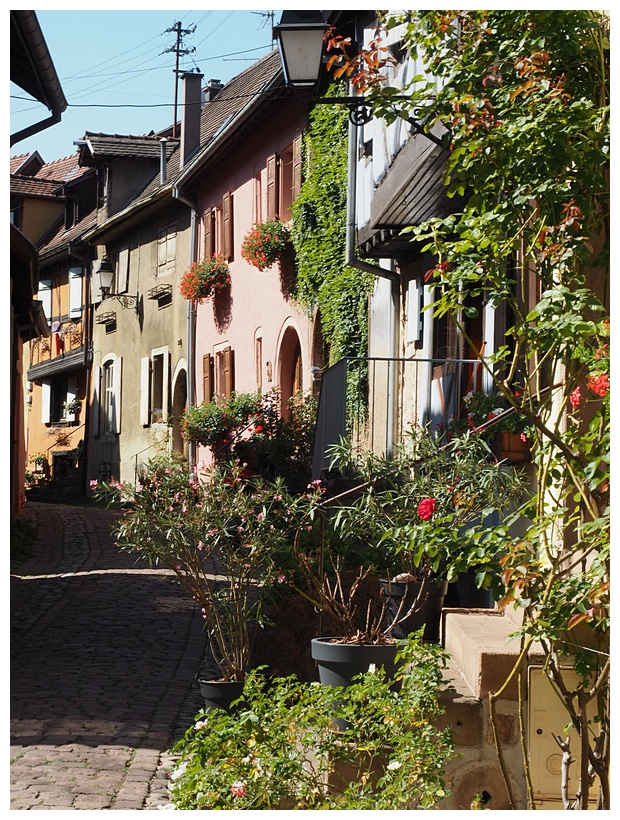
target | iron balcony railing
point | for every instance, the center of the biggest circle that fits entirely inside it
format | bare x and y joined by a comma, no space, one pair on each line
372,401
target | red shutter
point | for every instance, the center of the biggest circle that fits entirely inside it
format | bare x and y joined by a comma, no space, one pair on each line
272,186
229,376
207,378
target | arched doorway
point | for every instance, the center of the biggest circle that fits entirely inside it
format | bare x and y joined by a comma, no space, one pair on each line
179,403
290,367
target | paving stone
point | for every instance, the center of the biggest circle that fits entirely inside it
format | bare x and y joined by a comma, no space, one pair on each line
103,657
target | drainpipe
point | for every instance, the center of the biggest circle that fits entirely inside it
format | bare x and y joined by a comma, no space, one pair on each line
191,326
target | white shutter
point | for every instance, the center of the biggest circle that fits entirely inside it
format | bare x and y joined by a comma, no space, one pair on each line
46,398
116,406
45,296
145,390
96,405
71,395
75,293
164,386
122,277
414,316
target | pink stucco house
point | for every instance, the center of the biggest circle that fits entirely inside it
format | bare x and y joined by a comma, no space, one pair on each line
251,337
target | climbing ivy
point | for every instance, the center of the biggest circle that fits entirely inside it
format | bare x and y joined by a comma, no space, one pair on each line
323,279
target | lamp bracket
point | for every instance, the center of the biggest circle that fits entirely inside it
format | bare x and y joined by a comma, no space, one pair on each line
125,300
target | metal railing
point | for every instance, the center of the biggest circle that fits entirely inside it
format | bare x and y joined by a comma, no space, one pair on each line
372,401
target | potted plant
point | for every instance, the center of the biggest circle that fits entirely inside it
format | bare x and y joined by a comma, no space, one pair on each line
216,424
205,279
419,519
265,243
225,539
491,416
279,751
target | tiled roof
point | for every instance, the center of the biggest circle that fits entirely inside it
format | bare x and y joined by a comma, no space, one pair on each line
116,145
17,162
31,186
216,115
63,169
62,236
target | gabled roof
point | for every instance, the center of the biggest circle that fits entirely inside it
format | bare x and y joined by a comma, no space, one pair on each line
237,100
95,147
59,236
27,164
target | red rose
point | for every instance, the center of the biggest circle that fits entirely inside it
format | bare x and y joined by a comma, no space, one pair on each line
426,508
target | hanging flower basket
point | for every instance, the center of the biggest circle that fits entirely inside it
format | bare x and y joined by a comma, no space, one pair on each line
265,243
205,279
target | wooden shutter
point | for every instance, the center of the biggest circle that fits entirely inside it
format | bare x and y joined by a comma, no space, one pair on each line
116,405
229,376
227,225
272,186
75,293
296,167
122,275
145,390
207,222
207,378
46,402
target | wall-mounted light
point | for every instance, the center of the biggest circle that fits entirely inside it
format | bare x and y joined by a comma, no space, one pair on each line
300,36
105,277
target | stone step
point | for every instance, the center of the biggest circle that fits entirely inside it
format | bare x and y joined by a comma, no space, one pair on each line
482,651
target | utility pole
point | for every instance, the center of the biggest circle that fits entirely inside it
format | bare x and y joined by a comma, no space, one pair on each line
178,50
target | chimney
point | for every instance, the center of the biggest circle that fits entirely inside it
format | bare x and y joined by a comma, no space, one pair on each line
190,118
162,161
212,90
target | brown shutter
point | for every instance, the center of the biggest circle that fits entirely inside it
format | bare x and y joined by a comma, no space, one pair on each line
296,167
227,219
207,222
272,186
207,377
229,376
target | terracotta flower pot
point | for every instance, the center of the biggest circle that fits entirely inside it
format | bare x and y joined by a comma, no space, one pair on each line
511,447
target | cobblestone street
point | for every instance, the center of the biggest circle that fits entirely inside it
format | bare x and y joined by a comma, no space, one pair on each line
103,656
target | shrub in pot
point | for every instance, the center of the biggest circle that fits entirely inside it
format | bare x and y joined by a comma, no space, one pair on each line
280,751
421,517
226,539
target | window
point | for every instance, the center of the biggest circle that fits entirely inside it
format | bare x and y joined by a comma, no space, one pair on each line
56,396
166,250
154,381
107,396
218,229
290,178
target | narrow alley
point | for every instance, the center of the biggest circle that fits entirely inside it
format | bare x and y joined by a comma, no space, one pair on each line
103,656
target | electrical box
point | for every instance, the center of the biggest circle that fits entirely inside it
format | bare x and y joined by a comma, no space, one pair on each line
548,717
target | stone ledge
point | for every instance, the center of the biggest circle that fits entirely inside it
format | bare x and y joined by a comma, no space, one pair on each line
477,640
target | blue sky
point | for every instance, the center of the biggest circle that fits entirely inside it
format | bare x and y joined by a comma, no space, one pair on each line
116,74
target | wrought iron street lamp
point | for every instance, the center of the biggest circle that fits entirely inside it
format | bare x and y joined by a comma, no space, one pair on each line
105,277
300,36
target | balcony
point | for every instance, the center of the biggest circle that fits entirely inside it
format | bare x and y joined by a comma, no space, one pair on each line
372,401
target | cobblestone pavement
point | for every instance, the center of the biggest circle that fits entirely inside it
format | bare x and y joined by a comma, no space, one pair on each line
103,656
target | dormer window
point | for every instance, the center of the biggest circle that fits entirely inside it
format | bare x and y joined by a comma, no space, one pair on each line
71,212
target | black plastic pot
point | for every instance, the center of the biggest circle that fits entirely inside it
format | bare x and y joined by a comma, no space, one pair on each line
428,597
339,662
220,694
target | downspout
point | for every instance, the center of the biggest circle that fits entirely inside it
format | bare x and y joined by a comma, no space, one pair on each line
191,327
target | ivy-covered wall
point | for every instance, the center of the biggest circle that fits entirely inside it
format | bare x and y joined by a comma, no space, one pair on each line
319,228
